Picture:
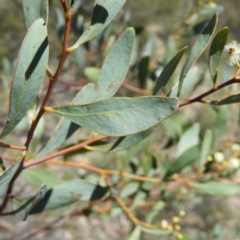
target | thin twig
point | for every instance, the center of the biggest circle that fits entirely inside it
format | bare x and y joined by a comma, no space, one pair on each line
3,145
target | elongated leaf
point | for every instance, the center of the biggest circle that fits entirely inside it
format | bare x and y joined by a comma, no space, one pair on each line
143,71
217,188
8,174
37,176
29,73
136,234
188,139
129,189
116,65
156,232
66,128
92,74
119,116
167,72
34,10
205,148
68,193
215,52
122,142
197,49
23,207
103,13
229,100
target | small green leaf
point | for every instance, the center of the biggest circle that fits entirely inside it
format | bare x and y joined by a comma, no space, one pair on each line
129,189
116,65
23,207
229,100
205,148
8,174
215,52
92,74
34,10
119,116
29,73
217,188
197,49
66,128
69,193
188,139
37,176
186,158
167,72
103,13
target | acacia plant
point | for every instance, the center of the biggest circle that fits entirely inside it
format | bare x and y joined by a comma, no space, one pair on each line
111,124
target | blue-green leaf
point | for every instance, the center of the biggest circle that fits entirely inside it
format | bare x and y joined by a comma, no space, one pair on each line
215,52
116,65
119,116
197,49
103,13
34,10
29,73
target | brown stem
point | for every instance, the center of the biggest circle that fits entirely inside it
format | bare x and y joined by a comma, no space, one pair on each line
64,151
3,145
200,97
53,80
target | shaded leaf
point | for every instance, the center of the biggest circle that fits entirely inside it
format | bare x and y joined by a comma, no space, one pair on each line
68,193
143,71
103,13
8,174
229,100
23,207
37,176
29,73
167,72
66,128
217,188
34,10
116,65
197,49
119,116
215,52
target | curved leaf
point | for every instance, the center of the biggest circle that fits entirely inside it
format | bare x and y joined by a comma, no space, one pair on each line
217,188
103,13
167,72
116,65
66,128
34,10
197,49
69,193
215,52
119,116
29,73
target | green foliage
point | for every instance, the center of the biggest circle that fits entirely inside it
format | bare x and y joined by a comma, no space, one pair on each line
144,152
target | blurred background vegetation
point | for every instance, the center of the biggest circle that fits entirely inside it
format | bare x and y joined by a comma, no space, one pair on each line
207,217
